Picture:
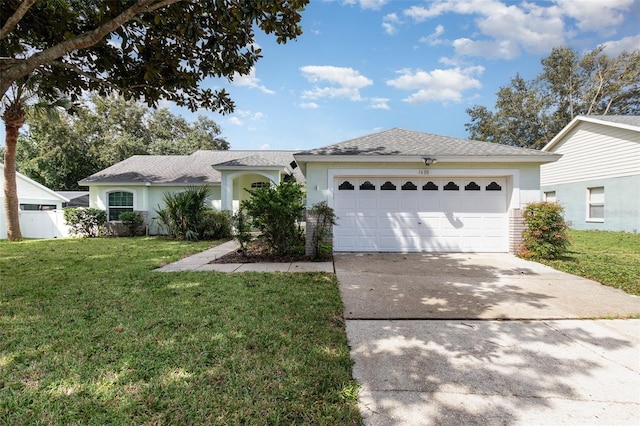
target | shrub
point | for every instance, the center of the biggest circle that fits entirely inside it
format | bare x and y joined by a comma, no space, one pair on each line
215,225
242,230
182,215
275,211
324,218
86,222
545,236
132,220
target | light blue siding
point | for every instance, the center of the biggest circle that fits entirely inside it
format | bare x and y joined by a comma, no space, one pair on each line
621,205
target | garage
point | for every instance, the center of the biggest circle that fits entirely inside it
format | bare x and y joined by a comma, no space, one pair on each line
421,215
405,191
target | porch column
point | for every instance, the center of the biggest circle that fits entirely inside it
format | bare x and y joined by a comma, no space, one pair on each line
226,192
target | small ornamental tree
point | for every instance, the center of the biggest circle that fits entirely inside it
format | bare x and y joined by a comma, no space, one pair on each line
324,218
275,211
545,236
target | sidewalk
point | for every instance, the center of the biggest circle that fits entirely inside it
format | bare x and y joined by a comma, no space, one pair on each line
200,262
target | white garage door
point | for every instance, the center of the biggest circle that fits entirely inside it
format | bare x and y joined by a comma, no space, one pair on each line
425,214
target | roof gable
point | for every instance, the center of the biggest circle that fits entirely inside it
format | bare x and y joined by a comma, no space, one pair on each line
628,122
29,188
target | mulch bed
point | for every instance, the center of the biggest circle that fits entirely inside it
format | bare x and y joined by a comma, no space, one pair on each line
257,252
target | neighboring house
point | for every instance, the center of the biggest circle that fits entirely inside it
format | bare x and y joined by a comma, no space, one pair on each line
597,180
405,191
40,211
140,182
76,198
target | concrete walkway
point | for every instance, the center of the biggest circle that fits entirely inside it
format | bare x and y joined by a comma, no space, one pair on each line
200,262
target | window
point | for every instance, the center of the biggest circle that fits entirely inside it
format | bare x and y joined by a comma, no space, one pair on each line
367,186
409,186
388,186
451,186
255,185
429,186
345,186
550,196
472,186
595,210
38,207
493,186
119,202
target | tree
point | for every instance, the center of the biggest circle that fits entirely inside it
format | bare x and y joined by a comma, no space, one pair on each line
103,132
142,49
531,113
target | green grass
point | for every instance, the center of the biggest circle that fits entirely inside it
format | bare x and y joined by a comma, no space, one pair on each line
90,335
611,258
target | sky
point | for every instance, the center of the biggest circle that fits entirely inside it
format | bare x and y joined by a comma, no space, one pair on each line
363,66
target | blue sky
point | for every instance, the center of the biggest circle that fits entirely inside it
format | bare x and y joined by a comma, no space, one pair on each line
367,65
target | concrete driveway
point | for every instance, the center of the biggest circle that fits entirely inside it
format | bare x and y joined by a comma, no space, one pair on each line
487,339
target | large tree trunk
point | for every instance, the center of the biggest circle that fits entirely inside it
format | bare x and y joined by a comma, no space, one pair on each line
13,119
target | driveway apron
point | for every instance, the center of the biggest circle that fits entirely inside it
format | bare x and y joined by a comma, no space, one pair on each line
487,339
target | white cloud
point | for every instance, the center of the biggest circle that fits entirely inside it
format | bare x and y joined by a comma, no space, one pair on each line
437,85
309,105
434,39
253,116
390,23
265,146
506,28
616,47
379,103
368,4
250,81
342,82
596,15
235,121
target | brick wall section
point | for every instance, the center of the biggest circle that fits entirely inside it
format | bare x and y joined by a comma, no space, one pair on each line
516,227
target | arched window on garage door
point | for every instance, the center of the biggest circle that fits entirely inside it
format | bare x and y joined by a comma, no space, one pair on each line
119,202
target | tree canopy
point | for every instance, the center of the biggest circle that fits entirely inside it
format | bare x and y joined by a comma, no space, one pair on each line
60,152
143,49
531,113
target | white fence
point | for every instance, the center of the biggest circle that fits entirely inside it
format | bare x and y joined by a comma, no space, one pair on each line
43,224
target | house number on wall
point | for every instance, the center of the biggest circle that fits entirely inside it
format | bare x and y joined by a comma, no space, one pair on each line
423,172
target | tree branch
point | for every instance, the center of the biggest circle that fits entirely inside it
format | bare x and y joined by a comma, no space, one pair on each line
15,18
84,40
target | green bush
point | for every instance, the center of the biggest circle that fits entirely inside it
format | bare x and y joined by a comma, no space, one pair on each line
324,218
215,225
275,211
133,221
545,236
242,229
86,222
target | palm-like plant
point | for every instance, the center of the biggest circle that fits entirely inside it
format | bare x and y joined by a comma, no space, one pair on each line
182,213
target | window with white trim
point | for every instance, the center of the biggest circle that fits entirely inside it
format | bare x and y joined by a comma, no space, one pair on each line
119,202
550,196
595,202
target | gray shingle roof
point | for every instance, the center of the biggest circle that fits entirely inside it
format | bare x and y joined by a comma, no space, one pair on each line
631,120
197,168
399,142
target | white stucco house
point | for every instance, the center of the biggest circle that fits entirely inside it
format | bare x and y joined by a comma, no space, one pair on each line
140,182
41,214
407,191
597,180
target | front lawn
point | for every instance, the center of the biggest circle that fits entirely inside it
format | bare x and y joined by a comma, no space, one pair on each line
90,335
611,258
